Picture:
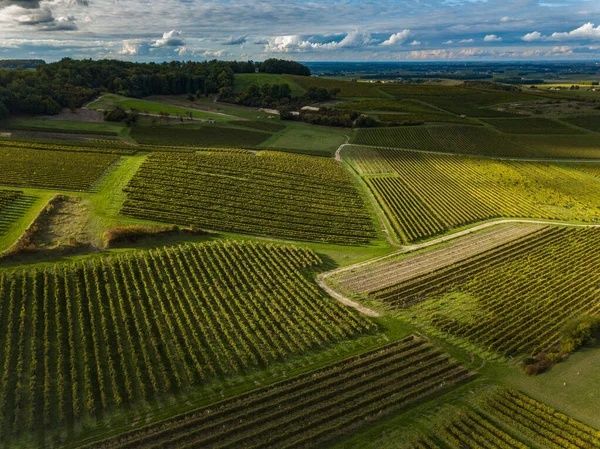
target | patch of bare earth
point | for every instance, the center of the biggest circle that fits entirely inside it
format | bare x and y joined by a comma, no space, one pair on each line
67,223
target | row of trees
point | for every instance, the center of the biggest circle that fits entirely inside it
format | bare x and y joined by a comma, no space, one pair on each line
71,83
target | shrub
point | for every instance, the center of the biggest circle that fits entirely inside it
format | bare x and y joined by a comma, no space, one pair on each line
580,332
117,114
127,235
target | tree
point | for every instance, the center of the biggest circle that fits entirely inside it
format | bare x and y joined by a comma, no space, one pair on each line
3,111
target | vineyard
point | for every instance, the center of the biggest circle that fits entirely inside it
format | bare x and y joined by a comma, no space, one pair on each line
312,409
88,147
447,139
507,419
394,269
512,299
426,194
533,125
78,339
49,168
591,122
347,88
11,204
278,194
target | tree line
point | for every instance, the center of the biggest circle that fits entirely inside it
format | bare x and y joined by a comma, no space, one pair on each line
72,83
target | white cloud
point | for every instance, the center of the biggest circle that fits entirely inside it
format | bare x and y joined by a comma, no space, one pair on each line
492,38
505,19
134,47
466,41
288,44
214,54
448,42
398,38
586,31
415,42
534,36
171,38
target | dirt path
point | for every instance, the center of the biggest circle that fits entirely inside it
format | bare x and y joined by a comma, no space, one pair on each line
338,154
410,248
348,302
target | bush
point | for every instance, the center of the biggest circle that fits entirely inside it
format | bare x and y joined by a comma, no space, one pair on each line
117,114
365,121
126,235
580,332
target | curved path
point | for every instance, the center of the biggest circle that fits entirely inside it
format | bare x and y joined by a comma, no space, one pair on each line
410,248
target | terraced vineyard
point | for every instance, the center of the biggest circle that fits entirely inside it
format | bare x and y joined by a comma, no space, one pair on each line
461,139
532,125
312,409
512,299
49,168
508,419
590,169
278,194
425,194
390,271
77,339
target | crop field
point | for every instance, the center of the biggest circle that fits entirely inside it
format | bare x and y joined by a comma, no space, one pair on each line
347,88
199,136
425,194
81,338
507,419
392,270
310,410
584,146
591,122
47,168
101,147
63,126
446,139
461,100
390,105
277,194
512,299
533,125
590,169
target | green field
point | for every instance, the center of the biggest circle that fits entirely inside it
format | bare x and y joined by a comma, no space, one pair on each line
347,88
591,122
242,81
304,138
111,101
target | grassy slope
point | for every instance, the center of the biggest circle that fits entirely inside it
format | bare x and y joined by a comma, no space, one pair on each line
242,81
301,136
152,107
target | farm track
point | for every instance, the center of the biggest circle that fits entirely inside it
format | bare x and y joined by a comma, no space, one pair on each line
321,279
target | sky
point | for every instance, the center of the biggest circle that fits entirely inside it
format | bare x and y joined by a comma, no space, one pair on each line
327,30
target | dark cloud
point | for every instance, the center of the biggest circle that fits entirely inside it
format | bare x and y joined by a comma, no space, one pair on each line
236,40
29,4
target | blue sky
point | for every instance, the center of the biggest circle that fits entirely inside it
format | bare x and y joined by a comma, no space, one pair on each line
329,30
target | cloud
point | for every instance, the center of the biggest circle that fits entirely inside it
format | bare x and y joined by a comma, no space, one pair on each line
466,41
170,39
448,42
214,54
398,38
26,4
415,42
534,36
505,19
586,31
40,18
236,40
134,47
492,38
261,42
290,44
